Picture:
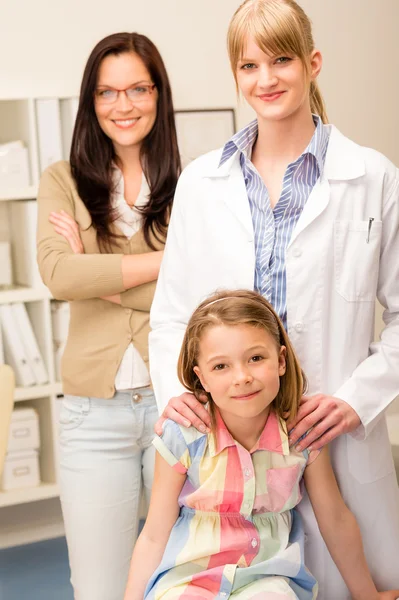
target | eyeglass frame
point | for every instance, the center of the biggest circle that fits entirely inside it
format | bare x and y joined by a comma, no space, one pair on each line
149,86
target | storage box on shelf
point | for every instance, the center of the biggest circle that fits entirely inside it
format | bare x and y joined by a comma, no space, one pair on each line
30,122
21,468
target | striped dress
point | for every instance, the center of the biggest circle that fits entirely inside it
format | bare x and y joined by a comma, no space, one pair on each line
238,534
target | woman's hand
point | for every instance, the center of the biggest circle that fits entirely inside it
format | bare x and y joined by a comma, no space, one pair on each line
69,229
326,416
186,410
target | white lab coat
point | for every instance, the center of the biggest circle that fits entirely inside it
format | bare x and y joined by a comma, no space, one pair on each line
335,269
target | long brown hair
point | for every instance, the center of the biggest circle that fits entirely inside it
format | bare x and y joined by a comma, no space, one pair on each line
278,27
92,152
241,307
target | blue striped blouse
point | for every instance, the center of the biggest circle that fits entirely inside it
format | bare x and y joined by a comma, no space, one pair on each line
273,227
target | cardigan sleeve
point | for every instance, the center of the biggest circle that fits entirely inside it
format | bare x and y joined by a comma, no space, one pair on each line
70,276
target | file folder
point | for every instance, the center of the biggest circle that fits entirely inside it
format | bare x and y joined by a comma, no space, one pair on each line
29,341
49,131
14,351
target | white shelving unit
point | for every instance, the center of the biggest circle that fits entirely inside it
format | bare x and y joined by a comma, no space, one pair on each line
31,514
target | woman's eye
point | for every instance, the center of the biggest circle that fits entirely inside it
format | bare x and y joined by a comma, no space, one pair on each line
247,66
282,60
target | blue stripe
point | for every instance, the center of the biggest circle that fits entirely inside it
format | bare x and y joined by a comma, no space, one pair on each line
273,227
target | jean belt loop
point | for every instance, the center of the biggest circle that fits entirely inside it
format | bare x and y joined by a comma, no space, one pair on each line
86,406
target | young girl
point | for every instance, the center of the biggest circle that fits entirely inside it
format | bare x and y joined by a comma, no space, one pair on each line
222,521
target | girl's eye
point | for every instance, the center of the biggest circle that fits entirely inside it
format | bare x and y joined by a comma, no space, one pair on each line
256,358
219,367
282,60
247,66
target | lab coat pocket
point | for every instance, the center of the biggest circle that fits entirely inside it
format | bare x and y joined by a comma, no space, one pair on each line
370,459
356,259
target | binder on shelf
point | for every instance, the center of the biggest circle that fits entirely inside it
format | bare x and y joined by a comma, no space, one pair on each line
49,131
69,109
27,335
5,264
23,223
14,350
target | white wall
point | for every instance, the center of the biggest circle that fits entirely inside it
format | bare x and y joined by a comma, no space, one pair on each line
44,45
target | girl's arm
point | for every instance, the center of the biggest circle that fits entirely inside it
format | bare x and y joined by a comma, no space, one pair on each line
340,530
162,515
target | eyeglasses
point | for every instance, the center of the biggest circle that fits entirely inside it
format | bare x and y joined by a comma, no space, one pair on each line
136,94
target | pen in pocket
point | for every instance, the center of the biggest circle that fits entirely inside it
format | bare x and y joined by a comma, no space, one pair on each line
371,219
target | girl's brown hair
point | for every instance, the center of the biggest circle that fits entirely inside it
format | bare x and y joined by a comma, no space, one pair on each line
92,152
278,27
241,307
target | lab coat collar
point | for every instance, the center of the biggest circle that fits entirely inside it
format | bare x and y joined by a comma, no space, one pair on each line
344,160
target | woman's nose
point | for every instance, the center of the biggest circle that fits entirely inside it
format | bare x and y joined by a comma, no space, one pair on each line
267,77
123,102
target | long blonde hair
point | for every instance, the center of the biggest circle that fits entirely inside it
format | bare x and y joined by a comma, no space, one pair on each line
241,307
278,27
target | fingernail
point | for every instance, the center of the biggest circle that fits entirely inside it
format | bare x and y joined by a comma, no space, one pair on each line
202,428
298,448
290,441
310,448
186,423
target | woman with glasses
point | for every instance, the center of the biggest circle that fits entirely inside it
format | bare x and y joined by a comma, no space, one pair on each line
101,231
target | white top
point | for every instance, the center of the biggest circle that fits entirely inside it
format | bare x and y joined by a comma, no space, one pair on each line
132,372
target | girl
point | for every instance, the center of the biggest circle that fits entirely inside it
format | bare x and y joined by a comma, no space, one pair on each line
101,232
237,533
309,219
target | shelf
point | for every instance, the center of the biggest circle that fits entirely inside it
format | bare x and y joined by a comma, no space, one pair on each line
41,492
28,193
37,391
23,294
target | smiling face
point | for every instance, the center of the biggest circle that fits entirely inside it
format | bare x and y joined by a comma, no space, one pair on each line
125,121
276,87
240,366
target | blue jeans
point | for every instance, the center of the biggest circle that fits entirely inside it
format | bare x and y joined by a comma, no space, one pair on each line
106,456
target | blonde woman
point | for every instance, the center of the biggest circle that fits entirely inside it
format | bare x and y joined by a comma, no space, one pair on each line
291,207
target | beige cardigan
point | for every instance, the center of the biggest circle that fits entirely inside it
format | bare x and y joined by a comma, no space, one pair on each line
99,331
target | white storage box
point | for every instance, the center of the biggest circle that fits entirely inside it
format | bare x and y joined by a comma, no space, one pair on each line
24,430
14,166
60,321
21,469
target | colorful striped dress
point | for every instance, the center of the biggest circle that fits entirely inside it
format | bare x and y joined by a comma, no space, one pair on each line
237,535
